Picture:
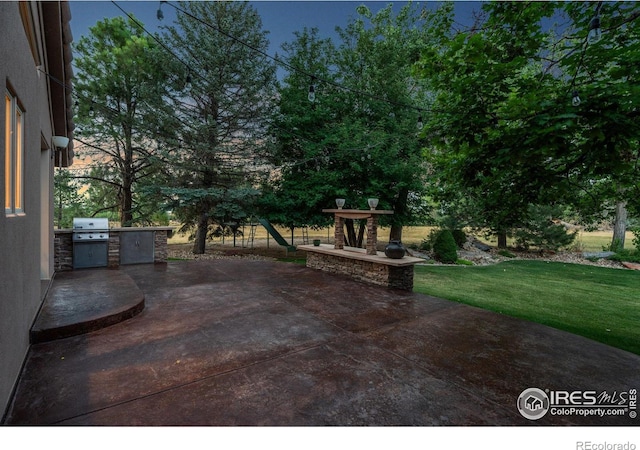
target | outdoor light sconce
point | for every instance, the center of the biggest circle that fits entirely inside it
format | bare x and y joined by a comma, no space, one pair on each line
373,203
60,141
340,202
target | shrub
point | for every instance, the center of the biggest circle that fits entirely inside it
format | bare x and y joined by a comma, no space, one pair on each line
540,231
626,256
464,262
616,246
444,247
459,237
636,238
425,245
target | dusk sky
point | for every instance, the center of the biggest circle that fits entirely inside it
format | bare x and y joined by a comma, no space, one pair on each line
280,18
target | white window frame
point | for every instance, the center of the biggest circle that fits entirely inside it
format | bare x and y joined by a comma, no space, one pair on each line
14,156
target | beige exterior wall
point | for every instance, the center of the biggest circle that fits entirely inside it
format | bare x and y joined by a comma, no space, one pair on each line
26,240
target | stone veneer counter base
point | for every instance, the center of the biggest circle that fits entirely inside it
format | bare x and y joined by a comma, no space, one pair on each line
63,245
356,263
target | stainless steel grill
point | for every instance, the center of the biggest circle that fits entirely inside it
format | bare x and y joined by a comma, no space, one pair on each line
90,242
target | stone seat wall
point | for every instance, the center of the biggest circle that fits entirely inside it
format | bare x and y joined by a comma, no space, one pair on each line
355,263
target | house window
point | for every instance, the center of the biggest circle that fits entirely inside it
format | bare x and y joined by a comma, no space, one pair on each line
13,156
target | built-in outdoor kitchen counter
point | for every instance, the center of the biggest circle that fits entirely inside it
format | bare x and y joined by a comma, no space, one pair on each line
127,245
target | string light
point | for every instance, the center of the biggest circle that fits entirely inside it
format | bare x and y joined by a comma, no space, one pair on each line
575,101
420,123
159,13
112,112
594,30
312,93
594,26
281,62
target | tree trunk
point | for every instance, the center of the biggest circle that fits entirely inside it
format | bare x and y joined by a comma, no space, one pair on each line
361,234
126,216
350,234
502,239
201,235
395,234
619,227
126,213
400,208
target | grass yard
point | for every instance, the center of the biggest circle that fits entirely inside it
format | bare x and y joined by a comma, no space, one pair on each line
599,303
585,241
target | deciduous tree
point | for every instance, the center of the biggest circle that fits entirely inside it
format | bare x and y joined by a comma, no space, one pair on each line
358,138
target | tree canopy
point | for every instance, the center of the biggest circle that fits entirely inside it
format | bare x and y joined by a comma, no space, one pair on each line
499,125
503,132
358,138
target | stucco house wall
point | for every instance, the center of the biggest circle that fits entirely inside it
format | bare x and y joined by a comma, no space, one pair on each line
33,49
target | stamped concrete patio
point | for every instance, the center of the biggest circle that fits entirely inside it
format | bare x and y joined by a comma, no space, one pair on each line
237,342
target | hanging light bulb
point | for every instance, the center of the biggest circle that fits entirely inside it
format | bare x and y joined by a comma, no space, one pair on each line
420,123
594,30
575,101
159,13
188,80
312,93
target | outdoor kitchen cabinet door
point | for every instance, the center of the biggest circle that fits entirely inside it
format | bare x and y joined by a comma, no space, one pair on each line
90,254
137,247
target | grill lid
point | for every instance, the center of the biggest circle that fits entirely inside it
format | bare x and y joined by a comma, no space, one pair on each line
90,229
90,224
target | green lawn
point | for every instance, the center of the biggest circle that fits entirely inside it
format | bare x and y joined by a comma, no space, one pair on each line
599,303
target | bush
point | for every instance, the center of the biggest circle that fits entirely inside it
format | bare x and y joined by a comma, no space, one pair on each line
626,256
464,262
459,237
636,238
540,231
425,245
445,248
